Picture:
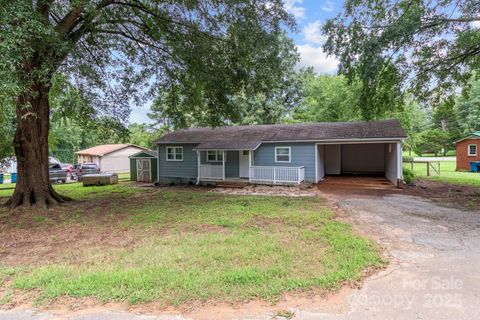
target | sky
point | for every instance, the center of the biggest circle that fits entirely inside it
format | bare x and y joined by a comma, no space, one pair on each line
310,16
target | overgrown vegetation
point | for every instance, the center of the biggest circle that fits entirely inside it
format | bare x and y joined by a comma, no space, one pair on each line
194,246
408,175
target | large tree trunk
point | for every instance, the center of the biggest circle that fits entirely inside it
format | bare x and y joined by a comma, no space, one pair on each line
33,187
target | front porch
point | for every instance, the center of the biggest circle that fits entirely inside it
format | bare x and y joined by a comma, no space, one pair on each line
238,166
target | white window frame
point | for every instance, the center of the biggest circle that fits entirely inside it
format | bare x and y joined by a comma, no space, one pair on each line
174,153
476,150
217,153
289,154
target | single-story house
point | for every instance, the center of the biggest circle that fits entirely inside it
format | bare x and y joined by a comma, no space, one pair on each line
110,157
468,150
287,153
143,166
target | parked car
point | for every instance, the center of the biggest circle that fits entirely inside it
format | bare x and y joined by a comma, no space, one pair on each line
83,169
56,173
67,167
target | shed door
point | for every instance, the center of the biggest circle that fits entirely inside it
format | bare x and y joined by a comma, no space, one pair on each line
144,173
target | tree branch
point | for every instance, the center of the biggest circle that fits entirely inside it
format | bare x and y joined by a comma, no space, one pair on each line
70,20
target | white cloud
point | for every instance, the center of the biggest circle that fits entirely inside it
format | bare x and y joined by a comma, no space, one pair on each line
475,24
328,6
311,56
293,7
313,33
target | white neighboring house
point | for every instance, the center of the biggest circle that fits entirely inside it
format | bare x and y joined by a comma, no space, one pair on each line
110,157
9,165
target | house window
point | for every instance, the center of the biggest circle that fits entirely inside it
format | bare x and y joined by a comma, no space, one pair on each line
215,156
472,149
282,154
174,153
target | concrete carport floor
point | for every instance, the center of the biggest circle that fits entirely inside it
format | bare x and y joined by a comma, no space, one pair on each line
356,185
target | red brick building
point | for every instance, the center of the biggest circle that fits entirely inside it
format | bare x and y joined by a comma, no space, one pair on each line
468,150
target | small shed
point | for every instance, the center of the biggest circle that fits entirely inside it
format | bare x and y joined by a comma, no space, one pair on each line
143,166
468,150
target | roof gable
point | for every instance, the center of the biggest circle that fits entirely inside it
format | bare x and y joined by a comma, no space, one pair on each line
144,154
104,149
475,135
249,137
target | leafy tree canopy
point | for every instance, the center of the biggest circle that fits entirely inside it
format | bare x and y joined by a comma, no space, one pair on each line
275,91
328,98
468,107
120,53
429,46
431,140
445,117
142,135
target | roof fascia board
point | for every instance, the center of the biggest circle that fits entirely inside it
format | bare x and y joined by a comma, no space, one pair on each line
469,137
355,140
164,142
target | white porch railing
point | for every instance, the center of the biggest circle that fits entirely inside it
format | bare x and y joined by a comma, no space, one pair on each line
277,174
209,171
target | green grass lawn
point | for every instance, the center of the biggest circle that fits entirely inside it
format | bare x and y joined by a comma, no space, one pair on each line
70,187
447,174
186,245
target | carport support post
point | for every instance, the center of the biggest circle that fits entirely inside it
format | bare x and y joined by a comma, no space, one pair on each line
223,165
249,165
198,166
399,165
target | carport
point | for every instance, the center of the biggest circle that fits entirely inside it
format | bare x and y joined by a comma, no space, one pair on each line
361,157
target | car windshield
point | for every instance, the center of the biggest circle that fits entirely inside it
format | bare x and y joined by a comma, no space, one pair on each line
54,166
89,166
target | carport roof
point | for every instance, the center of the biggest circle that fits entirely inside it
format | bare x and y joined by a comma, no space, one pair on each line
249,137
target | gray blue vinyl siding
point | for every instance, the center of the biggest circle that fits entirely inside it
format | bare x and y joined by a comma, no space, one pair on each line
186,169
231,165
302,154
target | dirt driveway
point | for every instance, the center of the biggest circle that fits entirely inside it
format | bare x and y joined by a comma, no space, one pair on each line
434,271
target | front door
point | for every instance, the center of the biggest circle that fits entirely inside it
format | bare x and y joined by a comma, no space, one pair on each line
244,165
143,170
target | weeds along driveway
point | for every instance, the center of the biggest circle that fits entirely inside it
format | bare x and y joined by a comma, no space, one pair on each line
435,259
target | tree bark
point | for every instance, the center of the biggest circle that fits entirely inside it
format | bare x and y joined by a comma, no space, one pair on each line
33,187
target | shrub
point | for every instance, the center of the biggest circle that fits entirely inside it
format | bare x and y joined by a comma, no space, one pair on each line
408,175
407,159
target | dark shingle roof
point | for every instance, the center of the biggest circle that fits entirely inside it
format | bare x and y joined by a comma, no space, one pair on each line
248,137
